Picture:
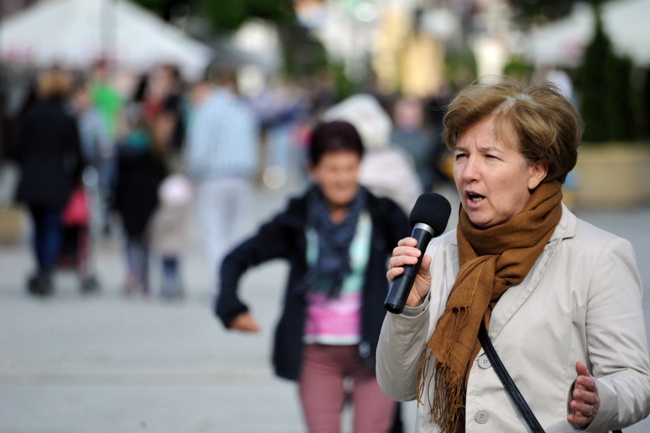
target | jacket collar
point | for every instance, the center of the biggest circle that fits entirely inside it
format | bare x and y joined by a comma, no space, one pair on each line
566,228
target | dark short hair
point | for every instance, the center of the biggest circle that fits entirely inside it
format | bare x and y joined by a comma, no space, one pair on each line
548,127
334,136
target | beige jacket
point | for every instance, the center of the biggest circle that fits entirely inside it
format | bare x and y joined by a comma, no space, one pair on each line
580,301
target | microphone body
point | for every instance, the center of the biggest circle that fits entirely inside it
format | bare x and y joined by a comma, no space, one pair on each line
401,286
428,218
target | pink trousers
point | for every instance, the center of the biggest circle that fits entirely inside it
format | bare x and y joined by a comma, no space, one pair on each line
323,392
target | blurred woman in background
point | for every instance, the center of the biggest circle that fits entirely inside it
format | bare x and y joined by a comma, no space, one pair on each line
48,152
337,238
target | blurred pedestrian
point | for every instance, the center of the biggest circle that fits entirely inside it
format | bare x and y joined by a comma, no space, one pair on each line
386,170
411,134
97,146
105,97
174,105
336,237
50,159
140,169
434,109
160,90
221,159
281,107
109,103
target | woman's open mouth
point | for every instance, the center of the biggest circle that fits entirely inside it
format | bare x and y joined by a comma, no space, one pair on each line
475,198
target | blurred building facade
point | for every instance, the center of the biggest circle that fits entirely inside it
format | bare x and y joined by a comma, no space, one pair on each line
403,44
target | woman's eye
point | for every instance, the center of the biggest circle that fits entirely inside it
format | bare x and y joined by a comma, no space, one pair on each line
459,156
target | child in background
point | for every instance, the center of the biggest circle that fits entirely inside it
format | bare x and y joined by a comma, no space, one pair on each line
170,232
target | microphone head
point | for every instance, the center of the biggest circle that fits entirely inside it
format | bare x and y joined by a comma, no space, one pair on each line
431,209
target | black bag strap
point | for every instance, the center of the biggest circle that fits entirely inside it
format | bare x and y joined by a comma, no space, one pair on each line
509,384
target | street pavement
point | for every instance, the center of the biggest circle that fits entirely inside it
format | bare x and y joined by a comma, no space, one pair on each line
105,363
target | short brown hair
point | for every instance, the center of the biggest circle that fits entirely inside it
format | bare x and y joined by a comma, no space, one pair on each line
53,83
548,127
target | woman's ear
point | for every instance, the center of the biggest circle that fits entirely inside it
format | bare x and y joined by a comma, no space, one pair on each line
538,172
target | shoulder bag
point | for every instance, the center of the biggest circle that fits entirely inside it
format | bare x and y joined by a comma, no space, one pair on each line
509,384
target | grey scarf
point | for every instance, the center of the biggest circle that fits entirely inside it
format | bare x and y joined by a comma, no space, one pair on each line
333,263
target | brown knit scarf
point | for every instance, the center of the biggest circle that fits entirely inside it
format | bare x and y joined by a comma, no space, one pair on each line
491,260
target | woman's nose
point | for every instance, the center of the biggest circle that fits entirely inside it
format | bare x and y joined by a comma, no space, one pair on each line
470,169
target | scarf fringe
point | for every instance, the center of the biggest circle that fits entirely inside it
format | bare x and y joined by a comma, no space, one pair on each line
447,407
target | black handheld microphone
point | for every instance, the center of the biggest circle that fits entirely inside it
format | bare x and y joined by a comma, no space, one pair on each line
428,218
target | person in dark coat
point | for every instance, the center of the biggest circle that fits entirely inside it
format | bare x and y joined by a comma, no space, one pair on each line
336,237
48,152
140,170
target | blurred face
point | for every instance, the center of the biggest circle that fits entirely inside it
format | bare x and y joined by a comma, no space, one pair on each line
337,175
492,177
408,114
199,93
81,100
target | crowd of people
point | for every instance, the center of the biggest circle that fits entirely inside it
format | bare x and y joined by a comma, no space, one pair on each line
215,145
518,264
77,132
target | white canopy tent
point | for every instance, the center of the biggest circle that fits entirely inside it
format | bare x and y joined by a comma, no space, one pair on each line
74,33
562,43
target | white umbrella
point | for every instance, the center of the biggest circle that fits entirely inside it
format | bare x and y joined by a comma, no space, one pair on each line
74,33
563,42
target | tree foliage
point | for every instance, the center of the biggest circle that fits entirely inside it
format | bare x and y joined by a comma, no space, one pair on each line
609,101
531,11
608,105
227,15
161,7
518,68
528,12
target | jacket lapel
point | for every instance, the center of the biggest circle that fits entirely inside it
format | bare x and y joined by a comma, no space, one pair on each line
516,296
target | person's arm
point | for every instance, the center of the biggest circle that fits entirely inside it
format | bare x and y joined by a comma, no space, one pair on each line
402,339
404,336
20,150
268,243
74,157
616,338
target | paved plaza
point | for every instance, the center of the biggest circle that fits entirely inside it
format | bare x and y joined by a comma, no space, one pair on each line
104,363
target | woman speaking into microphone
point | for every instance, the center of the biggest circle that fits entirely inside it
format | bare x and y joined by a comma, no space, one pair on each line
560,298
